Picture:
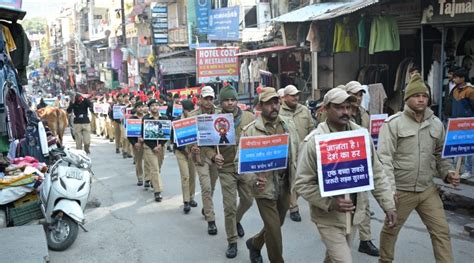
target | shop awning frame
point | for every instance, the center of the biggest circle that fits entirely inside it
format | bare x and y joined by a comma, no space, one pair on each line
266,50
324,11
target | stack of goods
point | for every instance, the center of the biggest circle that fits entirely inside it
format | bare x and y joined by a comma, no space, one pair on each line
24,175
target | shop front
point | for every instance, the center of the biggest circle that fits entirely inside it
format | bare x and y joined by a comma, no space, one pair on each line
448,42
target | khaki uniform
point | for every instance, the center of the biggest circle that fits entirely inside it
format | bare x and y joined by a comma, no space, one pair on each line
301,116
82,133
233,183
362,118
93,123
273,202
187,170
137,155
331,223
411,154
109,128
208,174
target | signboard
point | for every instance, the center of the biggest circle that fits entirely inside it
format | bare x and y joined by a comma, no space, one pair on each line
447,11
172,66
202,15
224,24
216,129
459,138
12,3
217,64
162,110
185,131
156,130
118,112
376,122
263,153
177,110
185,91
159,23
343,160
134,127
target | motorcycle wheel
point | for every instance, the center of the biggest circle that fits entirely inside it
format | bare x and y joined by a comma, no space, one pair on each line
62,233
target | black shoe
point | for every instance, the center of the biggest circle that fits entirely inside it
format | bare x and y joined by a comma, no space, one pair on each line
368,248
124,155
202,213
134,162
240,230
111,140
117,150
186,208
158,197
231,250
295,216
212,228
254,254
169,148
193,203
130,156
147,185
139,183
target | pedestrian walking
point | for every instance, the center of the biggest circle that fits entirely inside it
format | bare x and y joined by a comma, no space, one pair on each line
137,145
361,117
116,122
271,190
151,151
207,170
462,106
186,166
301,116
231,182
329,213
410,146
81,123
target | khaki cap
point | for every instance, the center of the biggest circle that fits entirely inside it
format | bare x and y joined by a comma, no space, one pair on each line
281,93
337,96
207,91
354,87
267,94
291,90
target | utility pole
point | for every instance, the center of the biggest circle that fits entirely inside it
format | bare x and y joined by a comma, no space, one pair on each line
124,41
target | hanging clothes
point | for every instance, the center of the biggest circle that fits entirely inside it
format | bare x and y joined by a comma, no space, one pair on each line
254,71
21,55
434,83
314,38
384,35
365,98
8,38
361,30
345,36
377,98
244,72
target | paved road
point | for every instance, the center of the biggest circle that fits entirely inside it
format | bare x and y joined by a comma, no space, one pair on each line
130,226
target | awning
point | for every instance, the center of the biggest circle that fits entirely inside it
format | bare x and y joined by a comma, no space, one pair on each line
324,11
265,50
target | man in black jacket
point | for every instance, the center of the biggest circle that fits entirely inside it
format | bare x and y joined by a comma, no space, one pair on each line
82,127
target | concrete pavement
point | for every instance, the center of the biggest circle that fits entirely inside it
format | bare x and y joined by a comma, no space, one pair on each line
130,226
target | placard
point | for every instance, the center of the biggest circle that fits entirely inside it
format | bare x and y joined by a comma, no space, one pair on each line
101,108
376,122
344,164
185,131
459,138
263,153
216,129
157,129
134,127
118,112
177,110
162,110
49,101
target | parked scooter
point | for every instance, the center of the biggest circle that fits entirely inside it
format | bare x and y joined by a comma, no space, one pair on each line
64,195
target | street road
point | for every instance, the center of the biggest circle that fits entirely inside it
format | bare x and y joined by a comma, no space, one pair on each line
129,226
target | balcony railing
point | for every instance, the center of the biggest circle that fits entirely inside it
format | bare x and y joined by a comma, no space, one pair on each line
178,36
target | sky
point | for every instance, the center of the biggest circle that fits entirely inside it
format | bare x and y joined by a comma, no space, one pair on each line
44,8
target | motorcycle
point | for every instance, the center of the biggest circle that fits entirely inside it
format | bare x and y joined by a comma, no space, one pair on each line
64,194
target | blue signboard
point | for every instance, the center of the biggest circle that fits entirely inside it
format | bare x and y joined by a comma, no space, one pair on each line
263,153
159,23
224,24
185,131
202,15
134,127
